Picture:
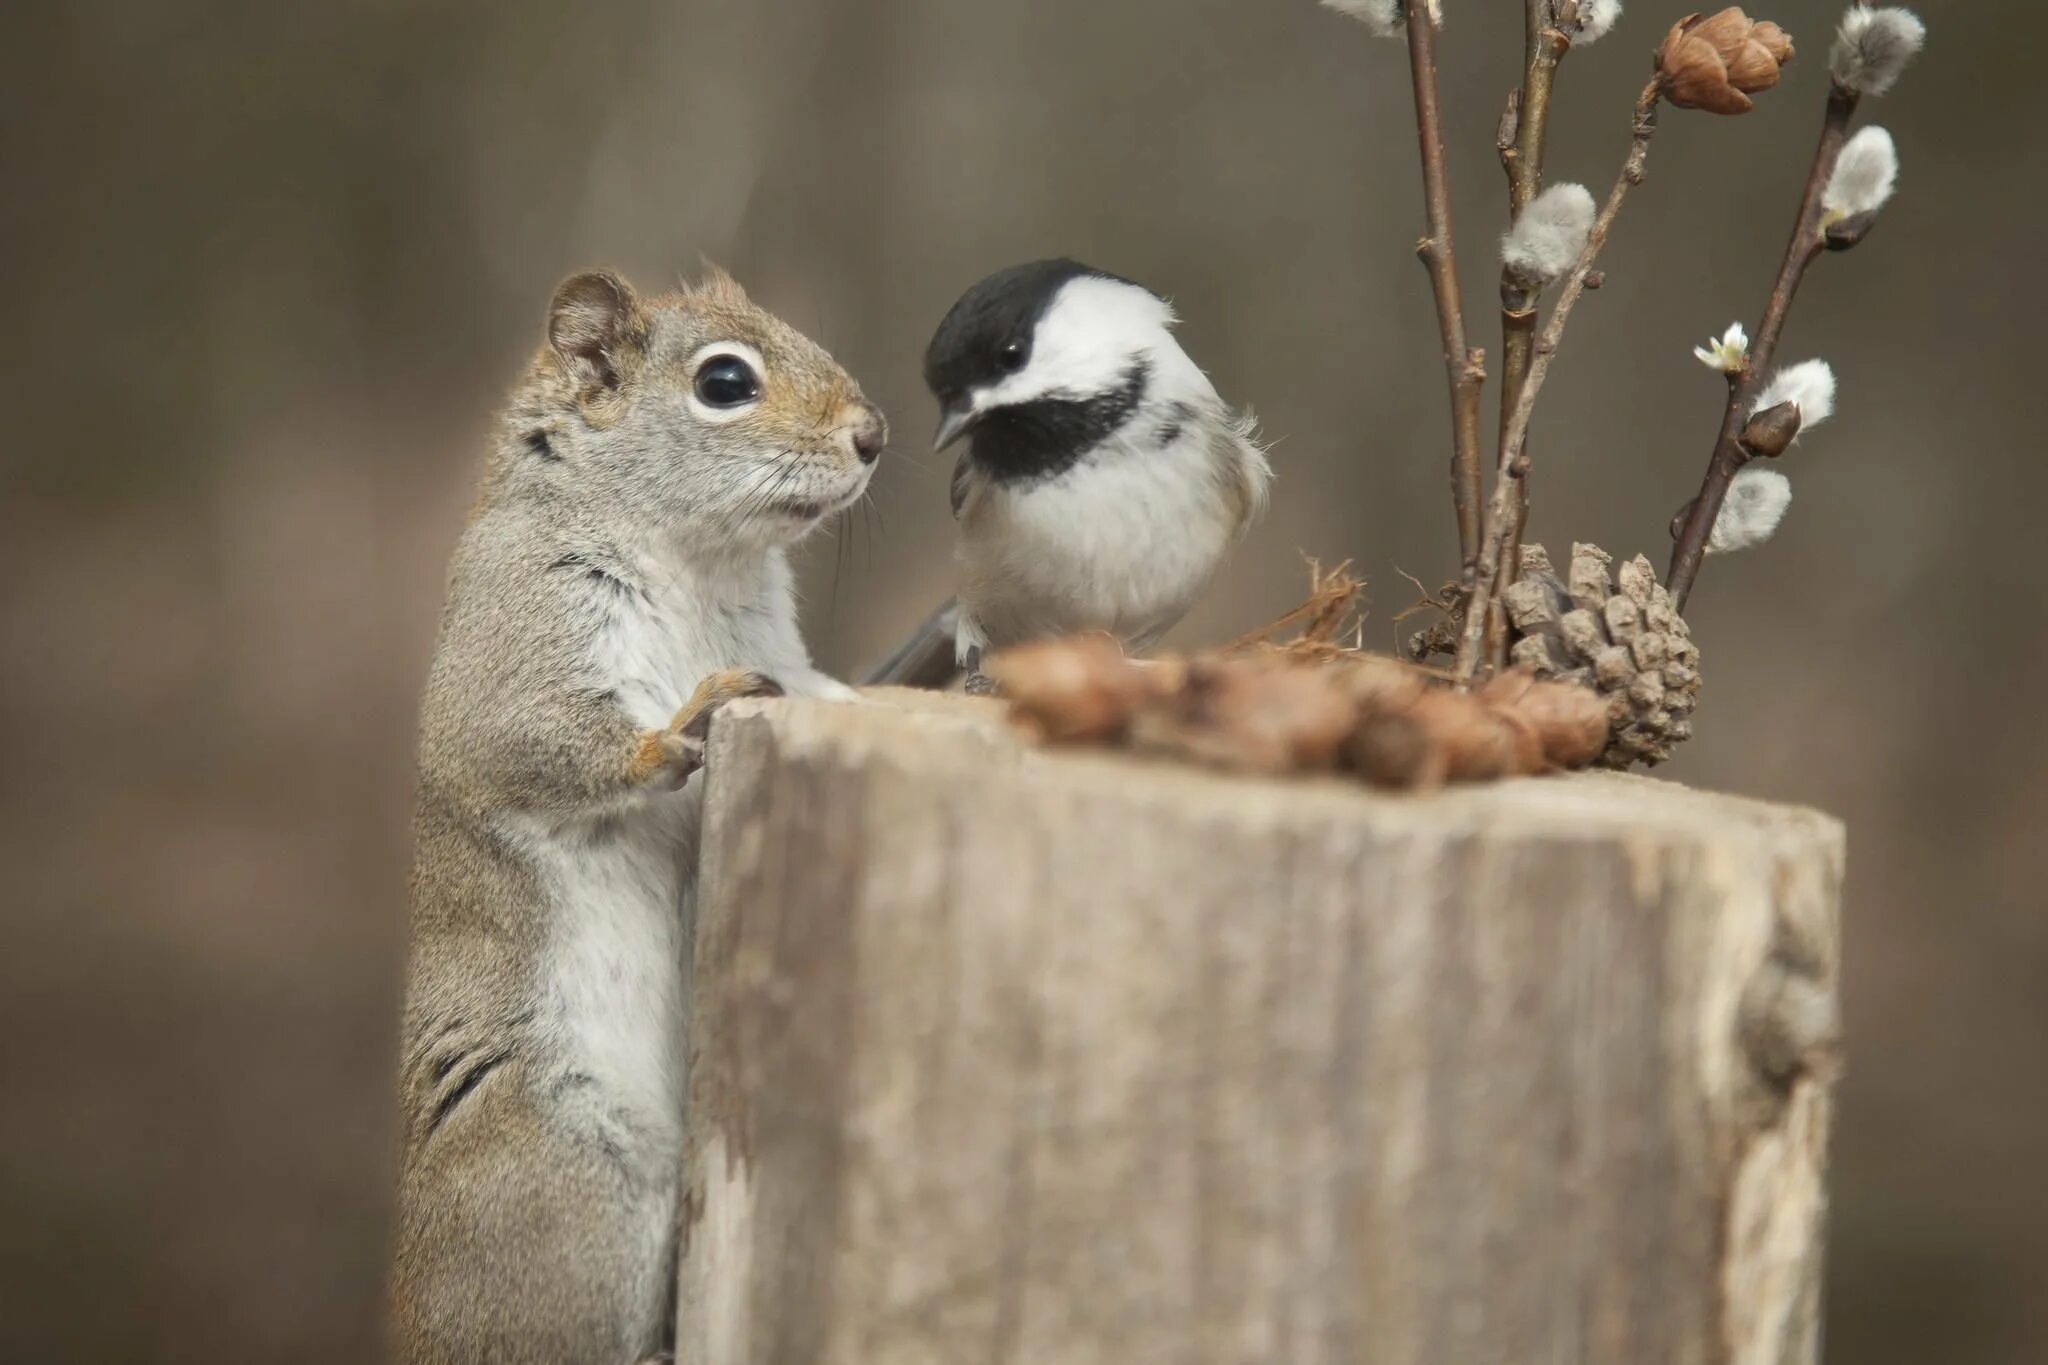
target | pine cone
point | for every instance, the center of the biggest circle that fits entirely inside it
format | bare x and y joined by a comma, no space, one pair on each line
1628,643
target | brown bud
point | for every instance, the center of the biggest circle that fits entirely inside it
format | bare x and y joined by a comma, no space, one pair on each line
1844,233
1569,723
1770,431
1717,63
1388,749
1249,715
1375,682
1476,744
1681,516
1080,690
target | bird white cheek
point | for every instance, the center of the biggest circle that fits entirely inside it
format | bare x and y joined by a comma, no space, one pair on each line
1092,333
1046,376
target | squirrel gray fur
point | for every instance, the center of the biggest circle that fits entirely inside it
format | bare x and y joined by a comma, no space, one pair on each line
623,573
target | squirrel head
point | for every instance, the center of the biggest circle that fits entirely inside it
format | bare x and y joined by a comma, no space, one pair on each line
695,412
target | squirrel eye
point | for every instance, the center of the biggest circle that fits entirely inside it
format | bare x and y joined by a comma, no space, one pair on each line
726,381
1011,357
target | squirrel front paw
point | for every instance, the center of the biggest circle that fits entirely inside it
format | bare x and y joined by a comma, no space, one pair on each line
671,755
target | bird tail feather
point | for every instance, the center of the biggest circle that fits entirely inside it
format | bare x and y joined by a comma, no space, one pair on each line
927,658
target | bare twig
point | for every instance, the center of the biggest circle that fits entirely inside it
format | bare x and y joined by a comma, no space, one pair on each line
1548,26
1728,457
1513,459
1439,636
1465,368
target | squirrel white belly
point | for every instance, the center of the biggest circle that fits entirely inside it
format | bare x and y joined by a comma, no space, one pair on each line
624,573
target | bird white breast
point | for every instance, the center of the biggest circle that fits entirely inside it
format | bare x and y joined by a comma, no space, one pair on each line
1124,541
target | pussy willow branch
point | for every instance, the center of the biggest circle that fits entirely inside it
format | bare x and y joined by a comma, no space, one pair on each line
1513,459
1728,457
1465,368
1547,29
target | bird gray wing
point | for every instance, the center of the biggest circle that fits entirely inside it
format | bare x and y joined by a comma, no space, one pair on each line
926,658
1239,465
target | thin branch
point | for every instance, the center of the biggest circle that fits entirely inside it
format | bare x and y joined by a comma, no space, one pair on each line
1514,463
1728,457
1547,28
1466,369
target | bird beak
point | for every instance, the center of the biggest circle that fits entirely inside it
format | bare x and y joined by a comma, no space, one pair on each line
954,420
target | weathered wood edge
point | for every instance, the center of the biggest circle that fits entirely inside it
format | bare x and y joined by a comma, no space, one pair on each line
1785,1018
941,732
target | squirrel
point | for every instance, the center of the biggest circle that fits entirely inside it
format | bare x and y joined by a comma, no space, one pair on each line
623,574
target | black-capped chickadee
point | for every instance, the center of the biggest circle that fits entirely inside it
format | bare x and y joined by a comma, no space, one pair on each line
1103,479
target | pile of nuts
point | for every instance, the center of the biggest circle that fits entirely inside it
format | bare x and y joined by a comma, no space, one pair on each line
1272,710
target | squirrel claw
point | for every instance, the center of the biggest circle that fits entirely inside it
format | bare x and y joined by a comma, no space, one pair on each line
680,748
694,720
673,754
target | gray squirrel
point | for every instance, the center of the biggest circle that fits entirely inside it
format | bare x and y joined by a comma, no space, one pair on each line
623,574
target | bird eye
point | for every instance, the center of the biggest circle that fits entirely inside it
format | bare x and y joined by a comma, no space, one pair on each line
726,381
1011,357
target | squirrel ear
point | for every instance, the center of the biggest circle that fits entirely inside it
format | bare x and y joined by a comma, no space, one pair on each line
720,286
593,324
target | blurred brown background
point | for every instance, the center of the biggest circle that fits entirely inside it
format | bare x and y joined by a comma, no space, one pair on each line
269,264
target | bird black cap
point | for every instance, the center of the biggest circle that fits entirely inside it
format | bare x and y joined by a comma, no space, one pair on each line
987,334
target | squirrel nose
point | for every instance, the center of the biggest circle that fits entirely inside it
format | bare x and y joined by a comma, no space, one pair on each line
870,434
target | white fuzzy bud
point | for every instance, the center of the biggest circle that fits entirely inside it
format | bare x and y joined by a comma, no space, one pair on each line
1384,18
1810,384
1548,236
1730,354
1864,174
1595,18
1756,503
1873,46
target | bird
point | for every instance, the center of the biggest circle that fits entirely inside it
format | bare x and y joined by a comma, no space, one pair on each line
1102,479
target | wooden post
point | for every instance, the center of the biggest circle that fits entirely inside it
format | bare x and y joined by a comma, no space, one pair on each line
1007,1055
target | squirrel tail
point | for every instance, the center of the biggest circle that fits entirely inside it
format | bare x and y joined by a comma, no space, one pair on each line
927,658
